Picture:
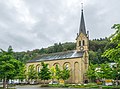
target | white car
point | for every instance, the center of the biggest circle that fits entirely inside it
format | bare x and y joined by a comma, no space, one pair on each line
53,82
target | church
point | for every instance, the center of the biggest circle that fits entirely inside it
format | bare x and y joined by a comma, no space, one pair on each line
76,61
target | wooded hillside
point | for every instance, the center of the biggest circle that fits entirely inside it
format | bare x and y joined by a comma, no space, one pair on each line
96,48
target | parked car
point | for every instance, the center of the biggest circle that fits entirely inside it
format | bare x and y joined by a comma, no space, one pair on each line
53,82
34,82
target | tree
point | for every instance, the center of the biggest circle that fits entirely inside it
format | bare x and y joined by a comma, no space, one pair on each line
9,66
115,72
96,44
68,46
93,57
116,36
53,72
44,73
101,71
105,71
22,72
58,72
32,73
60,48
91,73
65,74
114,53
42,51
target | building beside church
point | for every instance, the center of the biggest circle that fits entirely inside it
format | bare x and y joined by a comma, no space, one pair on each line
76,60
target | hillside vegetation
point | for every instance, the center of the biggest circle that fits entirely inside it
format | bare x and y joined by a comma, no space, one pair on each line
96,48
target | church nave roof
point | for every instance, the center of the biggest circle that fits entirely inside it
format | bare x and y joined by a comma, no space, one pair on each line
58,56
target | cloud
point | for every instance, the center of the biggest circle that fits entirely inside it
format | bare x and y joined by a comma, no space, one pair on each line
31,24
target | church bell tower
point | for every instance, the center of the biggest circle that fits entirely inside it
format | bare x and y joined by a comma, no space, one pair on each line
82,36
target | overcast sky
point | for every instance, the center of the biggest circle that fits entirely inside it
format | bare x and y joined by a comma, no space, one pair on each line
33,24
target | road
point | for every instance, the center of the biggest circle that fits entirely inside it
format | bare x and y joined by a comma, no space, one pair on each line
38,87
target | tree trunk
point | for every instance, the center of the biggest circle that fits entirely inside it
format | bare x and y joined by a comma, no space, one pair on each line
4,83
52,80
7,83
44,82
117,76
58,81
100,87
117,81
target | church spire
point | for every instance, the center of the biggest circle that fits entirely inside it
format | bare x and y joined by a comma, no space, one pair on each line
82,28
82,36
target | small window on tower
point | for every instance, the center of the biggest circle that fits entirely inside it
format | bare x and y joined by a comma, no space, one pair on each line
83,42
79,43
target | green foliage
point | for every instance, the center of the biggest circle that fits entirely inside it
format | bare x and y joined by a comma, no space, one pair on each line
9,66
7,88
60,47
110,45
91,73
44,73
95,45
68,46
57,72
65,74
93,57
74,86
57,47
32,73
22,72
116,36
114,53
105,71
53,72
101,71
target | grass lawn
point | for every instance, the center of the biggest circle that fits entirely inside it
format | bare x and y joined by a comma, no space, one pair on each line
84,86
7,88
110,87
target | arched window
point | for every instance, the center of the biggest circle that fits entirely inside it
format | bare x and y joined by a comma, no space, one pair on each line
67,66
38,69
56,64
48,66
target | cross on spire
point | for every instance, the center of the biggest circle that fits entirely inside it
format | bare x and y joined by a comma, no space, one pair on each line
82,28
81,6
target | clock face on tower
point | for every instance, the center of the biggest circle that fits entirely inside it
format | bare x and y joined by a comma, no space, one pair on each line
81,48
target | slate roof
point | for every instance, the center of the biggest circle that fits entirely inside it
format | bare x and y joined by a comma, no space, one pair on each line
82,24
58,56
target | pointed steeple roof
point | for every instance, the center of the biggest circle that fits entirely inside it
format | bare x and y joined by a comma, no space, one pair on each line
82,28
